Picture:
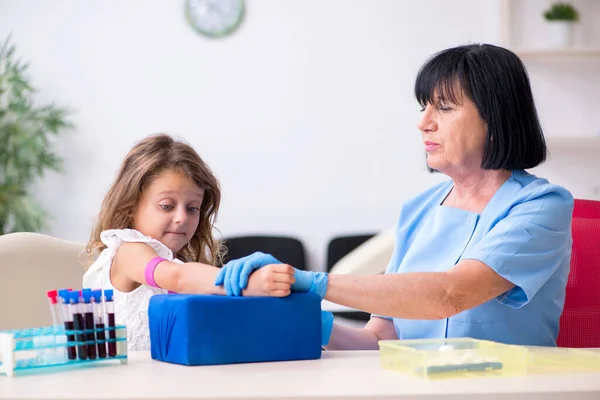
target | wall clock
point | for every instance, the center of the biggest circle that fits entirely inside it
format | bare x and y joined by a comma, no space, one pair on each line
214,18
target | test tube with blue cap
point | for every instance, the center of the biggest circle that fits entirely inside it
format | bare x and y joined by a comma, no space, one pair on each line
79,326
99,323
88,322
110,314
65,301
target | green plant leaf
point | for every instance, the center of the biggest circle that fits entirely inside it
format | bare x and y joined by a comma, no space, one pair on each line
26,152
562,12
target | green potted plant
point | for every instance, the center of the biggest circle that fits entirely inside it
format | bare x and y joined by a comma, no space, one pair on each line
26,134
561,18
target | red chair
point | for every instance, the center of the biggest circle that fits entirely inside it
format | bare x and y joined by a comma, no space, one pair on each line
580,320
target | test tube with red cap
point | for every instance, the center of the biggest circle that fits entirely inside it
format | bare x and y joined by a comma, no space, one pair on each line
99,323
79,326
88,321
65,301
110,316
55,310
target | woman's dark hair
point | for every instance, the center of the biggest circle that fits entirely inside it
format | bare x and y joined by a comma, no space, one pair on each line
496,81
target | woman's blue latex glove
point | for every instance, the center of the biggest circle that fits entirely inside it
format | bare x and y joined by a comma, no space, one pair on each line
311,282
326,327
234,275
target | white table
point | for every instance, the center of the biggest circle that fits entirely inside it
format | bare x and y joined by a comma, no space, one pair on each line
336,375
332,307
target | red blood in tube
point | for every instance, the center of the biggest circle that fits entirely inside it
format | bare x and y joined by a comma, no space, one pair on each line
112,334
71,351
101,340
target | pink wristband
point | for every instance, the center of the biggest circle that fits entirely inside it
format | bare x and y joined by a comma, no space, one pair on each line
149,273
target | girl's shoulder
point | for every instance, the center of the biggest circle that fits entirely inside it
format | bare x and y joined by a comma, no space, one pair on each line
98,274
113,238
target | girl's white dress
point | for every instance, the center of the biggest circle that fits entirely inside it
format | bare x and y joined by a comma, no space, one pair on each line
131,309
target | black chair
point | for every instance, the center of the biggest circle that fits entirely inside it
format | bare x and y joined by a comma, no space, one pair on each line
288,250
337,248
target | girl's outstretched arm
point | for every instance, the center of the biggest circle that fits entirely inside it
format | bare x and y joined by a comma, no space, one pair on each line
129,266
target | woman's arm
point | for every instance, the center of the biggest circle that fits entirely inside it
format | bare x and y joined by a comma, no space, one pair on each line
419,295
129,265
345,338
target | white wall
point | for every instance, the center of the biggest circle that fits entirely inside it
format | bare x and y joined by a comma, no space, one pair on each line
306,114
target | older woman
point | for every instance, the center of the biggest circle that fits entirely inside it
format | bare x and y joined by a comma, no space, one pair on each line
484,255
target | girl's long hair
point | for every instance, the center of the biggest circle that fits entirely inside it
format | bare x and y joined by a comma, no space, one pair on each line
147,160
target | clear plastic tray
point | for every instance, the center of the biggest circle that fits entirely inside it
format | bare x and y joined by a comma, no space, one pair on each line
458,357
465,357
556,360
36,348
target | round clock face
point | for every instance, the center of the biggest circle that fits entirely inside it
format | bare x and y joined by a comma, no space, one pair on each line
214,18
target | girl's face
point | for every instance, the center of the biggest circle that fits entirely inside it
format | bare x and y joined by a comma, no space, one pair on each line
169,210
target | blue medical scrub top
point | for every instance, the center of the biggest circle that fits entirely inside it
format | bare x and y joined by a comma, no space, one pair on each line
523,234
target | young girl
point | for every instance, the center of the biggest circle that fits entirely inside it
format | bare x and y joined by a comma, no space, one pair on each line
154,235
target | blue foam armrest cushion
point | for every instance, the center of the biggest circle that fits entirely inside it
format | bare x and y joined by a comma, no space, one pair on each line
209,329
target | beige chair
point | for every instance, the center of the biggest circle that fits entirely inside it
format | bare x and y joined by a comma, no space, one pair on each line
30,265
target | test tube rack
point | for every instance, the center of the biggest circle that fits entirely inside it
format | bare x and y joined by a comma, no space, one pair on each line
38,348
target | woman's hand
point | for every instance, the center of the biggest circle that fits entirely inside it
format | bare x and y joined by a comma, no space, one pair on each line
271,280
311,282
234,275
326,327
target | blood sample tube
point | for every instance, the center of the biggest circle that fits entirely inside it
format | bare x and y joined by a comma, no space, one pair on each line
110,316
88,321
65,301
79,326
99,323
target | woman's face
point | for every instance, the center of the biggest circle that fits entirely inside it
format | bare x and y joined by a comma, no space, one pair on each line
454,135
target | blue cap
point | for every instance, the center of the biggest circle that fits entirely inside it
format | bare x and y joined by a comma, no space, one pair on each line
74,297
64,295
97,293
87,295
108,294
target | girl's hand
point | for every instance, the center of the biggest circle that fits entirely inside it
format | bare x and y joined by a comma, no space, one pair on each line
271,280
234,275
